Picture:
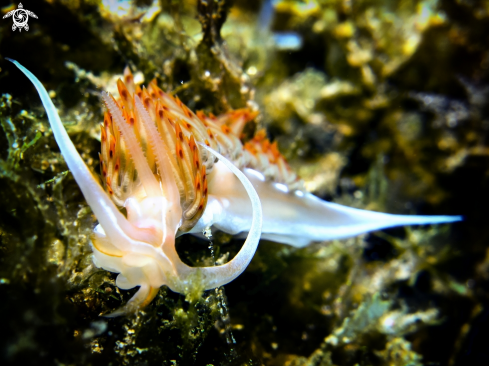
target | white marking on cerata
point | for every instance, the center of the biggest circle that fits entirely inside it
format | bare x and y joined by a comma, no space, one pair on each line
256,174
281,187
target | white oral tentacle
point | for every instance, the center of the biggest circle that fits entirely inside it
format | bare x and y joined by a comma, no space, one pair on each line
133,304
102,206
114,223
216,276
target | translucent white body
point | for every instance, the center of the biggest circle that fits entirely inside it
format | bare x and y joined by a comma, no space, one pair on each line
141,246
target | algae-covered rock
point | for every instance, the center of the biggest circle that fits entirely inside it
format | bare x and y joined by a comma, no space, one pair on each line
378,105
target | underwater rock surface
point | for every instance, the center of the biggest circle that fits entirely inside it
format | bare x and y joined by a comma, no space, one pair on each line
375,105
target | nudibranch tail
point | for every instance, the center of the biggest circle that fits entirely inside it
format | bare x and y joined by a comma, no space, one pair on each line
318,220
296,217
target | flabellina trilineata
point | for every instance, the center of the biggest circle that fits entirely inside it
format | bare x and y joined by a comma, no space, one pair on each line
177,172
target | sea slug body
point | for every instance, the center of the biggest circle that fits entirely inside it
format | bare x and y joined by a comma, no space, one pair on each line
177,172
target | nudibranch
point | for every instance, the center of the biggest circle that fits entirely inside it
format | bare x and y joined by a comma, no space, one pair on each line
178,172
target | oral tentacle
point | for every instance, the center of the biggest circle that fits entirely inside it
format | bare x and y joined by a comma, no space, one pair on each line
146,176
104,209
141,298
213,277
115,225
